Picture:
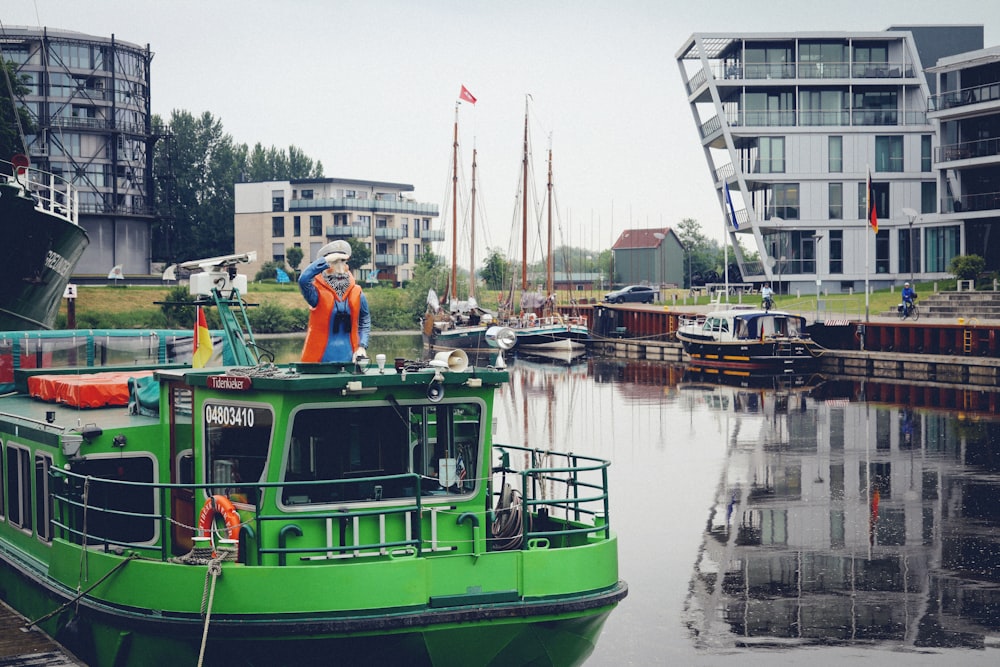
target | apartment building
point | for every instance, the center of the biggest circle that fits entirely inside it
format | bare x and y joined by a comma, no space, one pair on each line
272,216
966,109
89,98
794,126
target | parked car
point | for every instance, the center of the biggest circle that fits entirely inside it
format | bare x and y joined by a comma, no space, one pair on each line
631,294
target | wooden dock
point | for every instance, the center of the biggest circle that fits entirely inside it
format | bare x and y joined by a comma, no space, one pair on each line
21,648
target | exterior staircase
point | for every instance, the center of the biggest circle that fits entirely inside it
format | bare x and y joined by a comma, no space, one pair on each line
980,306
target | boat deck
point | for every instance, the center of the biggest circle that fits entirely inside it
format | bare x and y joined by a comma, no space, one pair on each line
66,416
28,648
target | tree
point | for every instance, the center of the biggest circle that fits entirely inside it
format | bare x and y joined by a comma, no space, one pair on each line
196,166
702,258
293,257
496,270
360,254
966,267
15,120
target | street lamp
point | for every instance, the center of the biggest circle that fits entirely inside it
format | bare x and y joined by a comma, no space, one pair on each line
911,215
660,236
816,239
781,257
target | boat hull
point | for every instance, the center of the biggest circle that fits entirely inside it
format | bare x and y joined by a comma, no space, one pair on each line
36,264
771,356
472,629
553,337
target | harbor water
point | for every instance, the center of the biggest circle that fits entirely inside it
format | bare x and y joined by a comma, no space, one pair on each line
804,519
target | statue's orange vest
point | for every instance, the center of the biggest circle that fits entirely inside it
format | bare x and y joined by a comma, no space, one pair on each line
318,333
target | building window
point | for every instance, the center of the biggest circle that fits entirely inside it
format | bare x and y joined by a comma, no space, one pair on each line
880,193
297,225
925,153
769,108
784,201
882,251
836,249
350,194
307,194
942,243
875,107
889,153
836,206
277,200
928,197
772,155
909,250
278,252
315,225
824,107
836,158
277,226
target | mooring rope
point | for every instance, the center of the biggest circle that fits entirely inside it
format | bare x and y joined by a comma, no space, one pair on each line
212,574
128,559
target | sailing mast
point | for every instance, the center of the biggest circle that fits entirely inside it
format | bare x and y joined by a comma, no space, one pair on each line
453,287
550,273
472,234
524,204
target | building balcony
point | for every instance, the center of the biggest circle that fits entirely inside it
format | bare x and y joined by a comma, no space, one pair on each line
809,70
389,259
967,150
836,118
365,205
389,233
431,235
347,231
971,203
964,97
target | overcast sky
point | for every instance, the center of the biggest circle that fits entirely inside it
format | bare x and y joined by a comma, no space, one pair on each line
368,87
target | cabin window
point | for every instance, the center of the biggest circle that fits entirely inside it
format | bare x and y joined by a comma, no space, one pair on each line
108,510
19,487
43,501
237,438
375,452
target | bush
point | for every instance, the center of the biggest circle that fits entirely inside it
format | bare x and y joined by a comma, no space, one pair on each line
966,267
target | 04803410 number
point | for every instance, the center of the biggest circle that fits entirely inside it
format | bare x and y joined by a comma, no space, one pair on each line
229,415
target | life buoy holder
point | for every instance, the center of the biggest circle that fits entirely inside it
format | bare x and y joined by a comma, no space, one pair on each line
219,506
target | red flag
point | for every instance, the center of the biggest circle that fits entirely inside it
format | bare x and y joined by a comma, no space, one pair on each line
466,96
872,213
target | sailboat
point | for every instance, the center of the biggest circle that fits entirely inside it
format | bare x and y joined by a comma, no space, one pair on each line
537,324
464,324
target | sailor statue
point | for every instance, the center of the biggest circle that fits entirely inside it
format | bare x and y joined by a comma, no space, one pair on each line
339,321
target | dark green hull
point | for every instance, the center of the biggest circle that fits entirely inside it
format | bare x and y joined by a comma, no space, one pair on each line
36,261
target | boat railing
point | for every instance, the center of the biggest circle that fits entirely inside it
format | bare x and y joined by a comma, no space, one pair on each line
52,193
576,491
566,497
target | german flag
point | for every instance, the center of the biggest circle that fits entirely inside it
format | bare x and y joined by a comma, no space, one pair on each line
872,213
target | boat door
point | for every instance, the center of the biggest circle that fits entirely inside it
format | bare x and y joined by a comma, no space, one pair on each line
182,501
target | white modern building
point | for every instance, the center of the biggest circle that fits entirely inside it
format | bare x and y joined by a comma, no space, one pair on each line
967,111
792,124
272,216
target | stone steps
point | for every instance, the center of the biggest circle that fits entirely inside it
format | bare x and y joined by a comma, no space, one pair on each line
955,305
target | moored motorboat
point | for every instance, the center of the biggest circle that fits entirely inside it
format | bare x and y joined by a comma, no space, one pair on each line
745,340
297,514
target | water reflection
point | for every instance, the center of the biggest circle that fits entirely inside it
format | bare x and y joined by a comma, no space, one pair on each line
839,521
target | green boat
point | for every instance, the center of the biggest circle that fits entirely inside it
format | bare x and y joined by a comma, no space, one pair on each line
306,514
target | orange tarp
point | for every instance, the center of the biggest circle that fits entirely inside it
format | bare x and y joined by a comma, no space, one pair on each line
93,390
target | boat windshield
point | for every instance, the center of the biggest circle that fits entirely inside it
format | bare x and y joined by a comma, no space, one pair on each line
237,439
716,324
374,452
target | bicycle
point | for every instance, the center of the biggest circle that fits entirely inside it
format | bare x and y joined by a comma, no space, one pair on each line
909,309
767,303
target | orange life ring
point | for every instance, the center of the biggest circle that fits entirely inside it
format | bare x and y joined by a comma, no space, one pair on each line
219,506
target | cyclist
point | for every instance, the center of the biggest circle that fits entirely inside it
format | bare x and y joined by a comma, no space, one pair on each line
909,296
767,296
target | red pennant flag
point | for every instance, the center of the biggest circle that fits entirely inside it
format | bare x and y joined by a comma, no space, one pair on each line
872,213
466,96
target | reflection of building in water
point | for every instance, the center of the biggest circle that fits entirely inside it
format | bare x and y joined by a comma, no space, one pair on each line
848,521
